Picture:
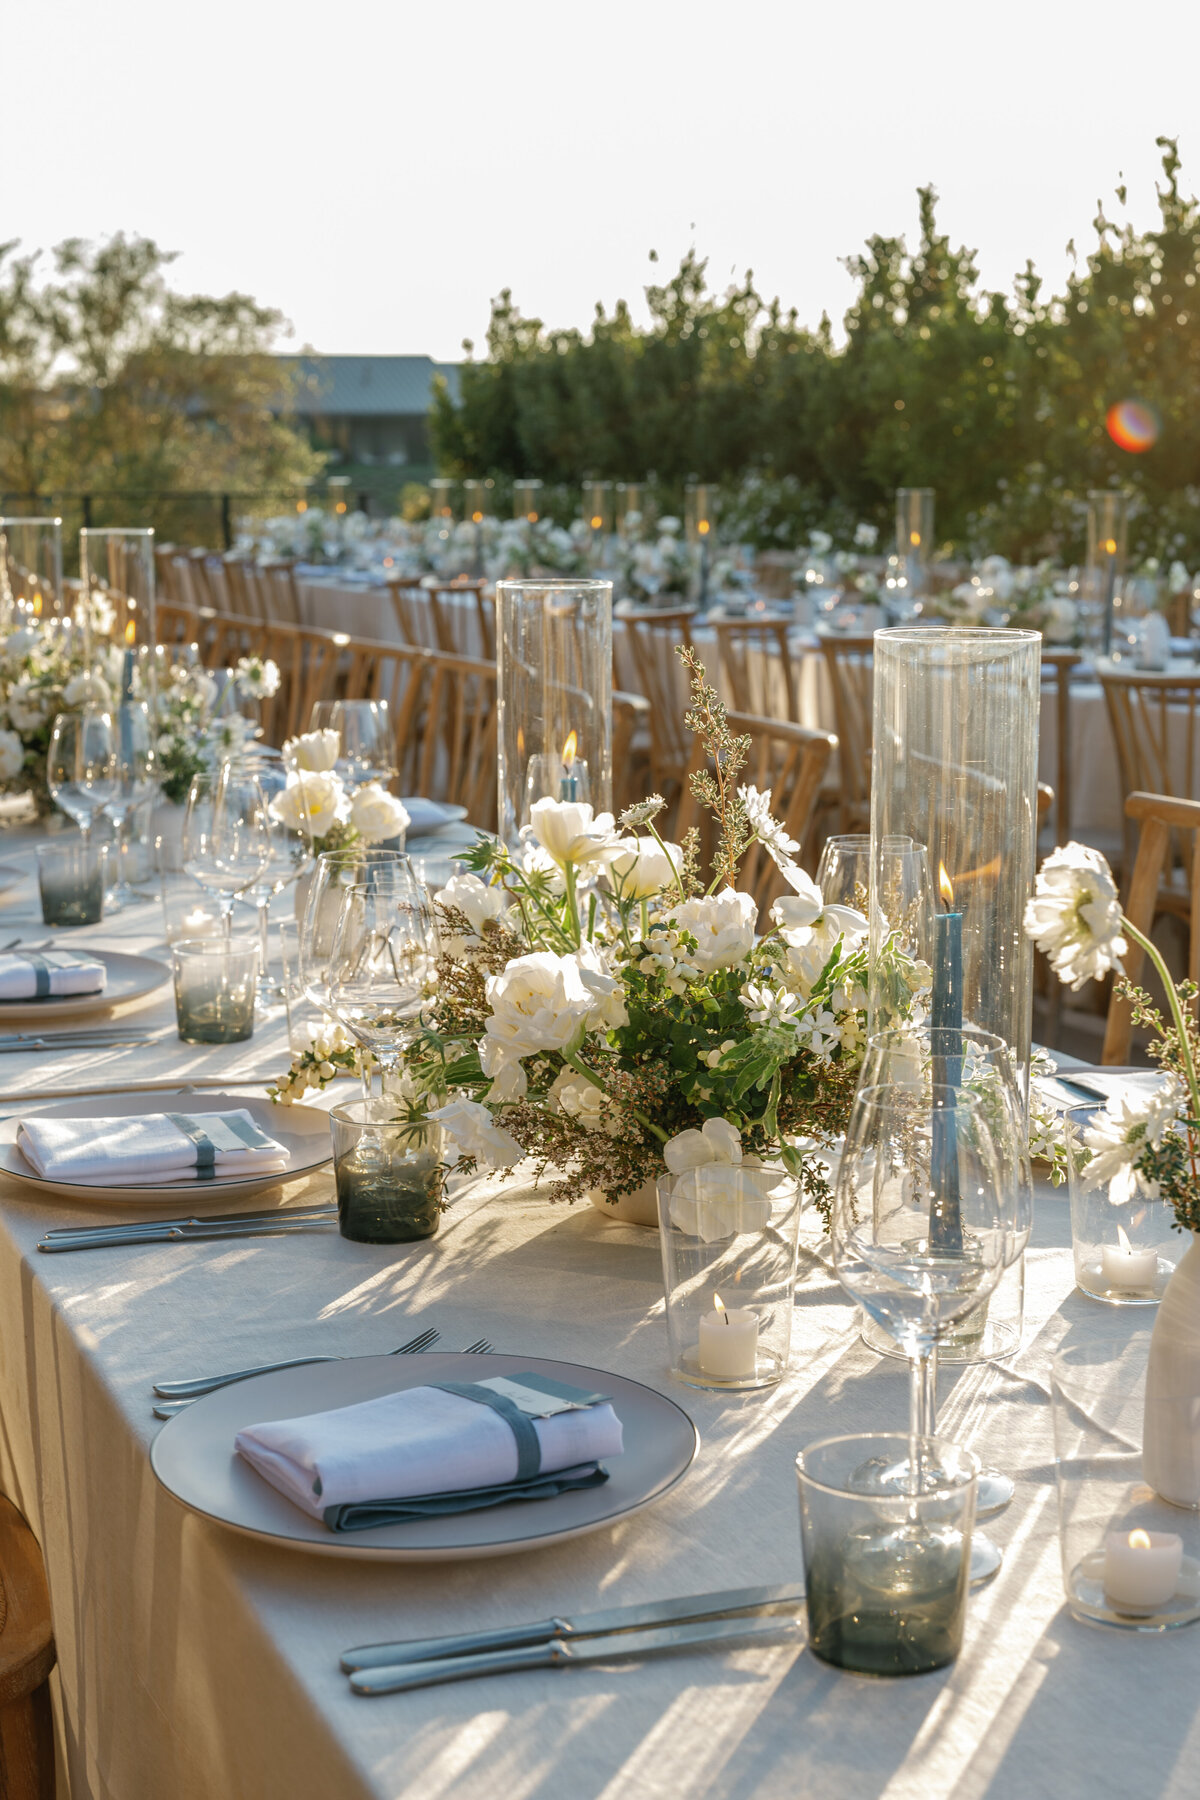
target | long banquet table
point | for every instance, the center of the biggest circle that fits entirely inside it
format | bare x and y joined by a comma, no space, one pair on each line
198,1665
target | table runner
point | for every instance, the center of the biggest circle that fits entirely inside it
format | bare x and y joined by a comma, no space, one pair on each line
195,1665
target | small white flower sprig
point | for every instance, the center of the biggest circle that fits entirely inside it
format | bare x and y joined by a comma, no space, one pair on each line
1144,1144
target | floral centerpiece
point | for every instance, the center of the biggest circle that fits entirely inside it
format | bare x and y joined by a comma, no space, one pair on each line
597,1000
195,732
1039,598
316,801
650,566
44,671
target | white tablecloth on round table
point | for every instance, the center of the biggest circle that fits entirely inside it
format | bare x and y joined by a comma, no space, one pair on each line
196,1665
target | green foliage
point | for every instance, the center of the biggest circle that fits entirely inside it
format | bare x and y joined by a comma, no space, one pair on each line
997,401
111,380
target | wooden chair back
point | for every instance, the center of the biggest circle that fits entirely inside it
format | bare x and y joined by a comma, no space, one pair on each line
413,607
166,581
1161,817
1057,667
464,618
279,597
851,665
446,735
756,667
240,586
789,760
654,634
27,1655
630,749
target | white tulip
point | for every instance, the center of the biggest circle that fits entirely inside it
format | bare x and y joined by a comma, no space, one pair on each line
313,750
644,867
722,925
312,802
377,815
568,833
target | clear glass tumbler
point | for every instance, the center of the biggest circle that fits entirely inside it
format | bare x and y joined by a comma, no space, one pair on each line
728,1236
1125,1249
71,880
214,989
388,1173
885,1573
1129,1559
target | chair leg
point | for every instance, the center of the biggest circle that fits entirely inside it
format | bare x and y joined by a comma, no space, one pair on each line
27,1747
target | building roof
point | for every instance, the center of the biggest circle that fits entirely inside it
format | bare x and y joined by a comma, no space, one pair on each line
369,386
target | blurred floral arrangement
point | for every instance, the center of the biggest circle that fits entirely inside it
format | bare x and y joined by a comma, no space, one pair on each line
648,565
197,722
595,998
1140,1144
316,800
44,671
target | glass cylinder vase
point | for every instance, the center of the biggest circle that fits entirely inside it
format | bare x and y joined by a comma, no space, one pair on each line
30,569
554,667
954,766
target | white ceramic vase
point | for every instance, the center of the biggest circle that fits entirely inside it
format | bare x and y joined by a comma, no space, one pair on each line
166,824
1171,1434
638,1208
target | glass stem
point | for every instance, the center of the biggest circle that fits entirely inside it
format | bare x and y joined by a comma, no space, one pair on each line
263,903
922,1409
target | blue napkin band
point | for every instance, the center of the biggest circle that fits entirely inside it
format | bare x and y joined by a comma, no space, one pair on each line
217,1131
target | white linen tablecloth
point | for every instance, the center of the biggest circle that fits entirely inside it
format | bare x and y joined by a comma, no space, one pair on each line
197,1665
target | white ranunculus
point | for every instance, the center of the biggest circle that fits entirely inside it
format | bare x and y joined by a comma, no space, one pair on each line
722,925
1075,915
311,802
27,707
580,1101
473,898
377,815
568,833
538,1002
86,690
12,755
644,868
477,1134
717,1141
509,1080
315,750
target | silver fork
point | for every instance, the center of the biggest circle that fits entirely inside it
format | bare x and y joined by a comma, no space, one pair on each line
182,1393
167,1409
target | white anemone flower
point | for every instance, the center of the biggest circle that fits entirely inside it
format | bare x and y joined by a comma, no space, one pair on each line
768,830
1117,1137
1075,915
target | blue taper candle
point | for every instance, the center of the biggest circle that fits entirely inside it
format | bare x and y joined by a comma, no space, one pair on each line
945,1223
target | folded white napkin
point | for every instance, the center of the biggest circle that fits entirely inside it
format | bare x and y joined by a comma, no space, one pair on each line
420,1441
152,1148
40,974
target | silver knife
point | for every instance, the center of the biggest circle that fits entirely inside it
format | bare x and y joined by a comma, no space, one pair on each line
180,1235
586,1625
318,1210
556,1654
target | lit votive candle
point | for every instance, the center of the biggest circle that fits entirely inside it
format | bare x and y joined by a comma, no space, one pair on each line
728,1342
1124,1267
1141,1568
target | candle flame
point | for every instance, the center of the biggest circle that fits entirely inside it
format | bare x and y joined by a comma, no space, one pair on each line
719,1306
914,538
945,885
1139,1540
131,631
597,521
532,517
569,750
1122,1240
702,527
1110,546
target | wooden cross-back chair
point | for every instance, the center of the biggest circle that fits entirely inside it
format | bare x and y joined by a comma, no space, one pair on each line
630,749
1057,669
1163,820
1155,721
464,618
278,595
851,665
175,624
166,581
756,667
789,760
446,734
242,589
654,634
413,606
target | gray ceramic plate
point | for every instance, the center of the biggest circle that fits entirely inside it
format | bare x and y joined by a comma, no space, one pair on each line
194,1458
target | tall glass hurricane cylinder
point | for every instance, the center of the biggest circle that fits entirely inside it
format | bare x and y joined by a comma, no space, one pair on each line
30,568
954,766
554,657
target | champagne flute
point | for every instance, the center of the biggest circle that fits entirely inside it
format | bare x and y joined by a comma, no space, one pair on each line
920,1227
80,765
133,782
226,833
382,966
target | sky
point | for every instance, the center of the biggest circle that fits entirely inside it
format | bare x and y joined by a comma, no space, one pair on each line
378,172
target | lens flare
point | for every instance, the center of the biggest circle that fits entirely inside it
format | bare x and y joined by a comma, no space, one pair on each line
1133,425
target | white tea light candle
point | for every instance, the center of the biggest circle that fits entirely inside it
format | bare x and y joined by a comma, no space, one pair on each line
728,1342
1124,1267
1141,1568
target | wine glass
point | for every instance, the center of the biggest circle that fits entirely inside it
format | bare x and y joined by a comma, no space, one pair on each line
226,833
133,765
80,765
365,733
333,872
844,871
907,1055
382,966
289,850
921,1223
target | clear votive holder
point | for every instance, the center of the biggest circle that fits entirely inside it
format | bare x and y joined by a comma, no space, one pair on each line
214,989
188,911
72,878
1125,1250
728,1235
1129,1559
305,1019
388,1174
885,1570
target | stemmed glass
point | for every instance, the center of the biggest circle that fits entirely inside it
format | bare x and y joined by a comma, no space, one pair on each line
844,871
908,1056
334,872
134,772
382,965
226,833
364,728
80,765
920,1229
